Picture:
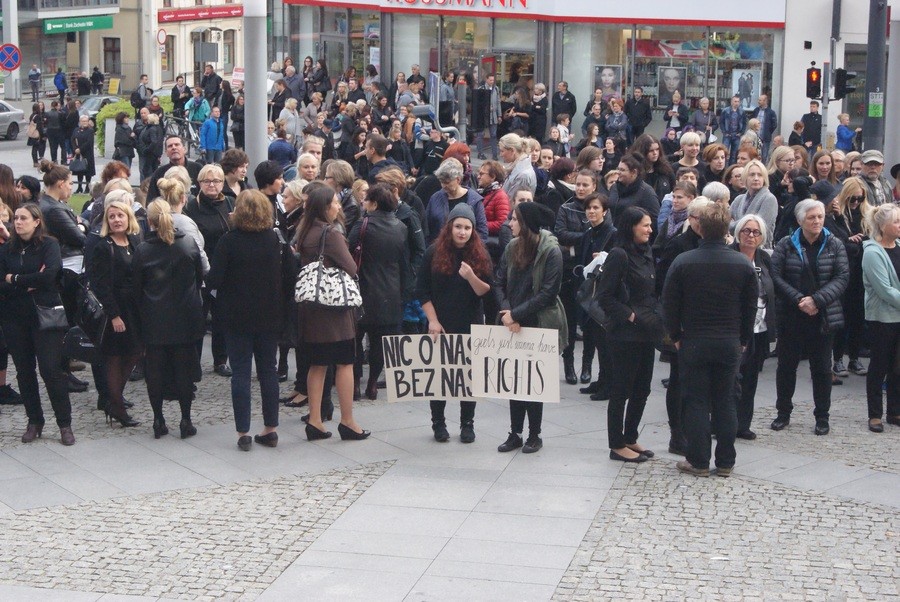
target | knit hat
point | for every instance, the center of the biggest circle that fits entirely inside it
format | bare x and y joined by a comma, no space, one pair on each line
462,210
536,216
823,190
894,170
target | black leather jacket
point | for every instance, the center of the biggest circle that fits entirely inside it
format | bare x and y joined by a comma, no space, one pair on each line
60,222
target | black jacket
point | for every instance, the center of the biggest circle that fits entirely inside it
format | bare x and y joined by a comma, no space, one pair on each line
639,114
571,224
675,246
763,262
517,294
35,265
557,195
167,282
628,285
152,138
832,272
124,143
193,169
212,87
211,217
710,293
237,118
60,222
636,194
566,104
384,272
246,273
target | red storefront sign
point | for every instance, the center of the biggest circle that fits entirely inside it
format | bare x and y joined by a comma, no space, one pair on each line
200,13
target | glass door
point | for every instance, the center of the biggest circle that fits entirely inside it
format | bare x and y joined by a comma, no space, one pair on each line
513,69
337,55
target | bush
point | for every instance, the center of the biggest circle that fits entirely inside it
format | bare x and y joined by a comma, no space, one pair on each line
111,110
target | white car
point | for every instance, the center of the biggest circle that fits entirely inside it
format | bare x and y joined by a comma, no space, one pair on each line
12,120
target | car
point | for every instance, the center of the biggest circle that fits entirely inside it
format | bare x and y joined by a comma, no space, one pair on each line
91,105
12,120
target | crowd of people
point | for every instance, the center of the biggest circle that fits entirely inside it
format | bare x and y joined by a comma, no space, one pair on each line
802,250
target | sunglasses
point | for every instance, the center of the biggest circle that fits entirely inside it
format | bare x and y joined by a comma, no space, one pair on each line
856,199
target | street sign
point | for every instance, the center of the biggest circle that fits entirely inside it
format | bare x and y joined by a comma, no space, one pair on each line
161,36
10,57
78,24
876,104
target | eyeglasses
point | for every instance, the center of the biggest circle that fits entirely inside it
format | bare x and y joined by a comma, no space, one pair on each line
856,199
752,233
791,161
210,182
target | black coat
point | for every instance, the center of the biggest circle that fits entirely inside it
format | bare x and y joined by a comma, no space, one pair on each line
83,141
384,273
566,104
124,143
763,262
639,114
34,265
167,281
537,127
60,222
247,274
636,194
193,169
211,217
628,285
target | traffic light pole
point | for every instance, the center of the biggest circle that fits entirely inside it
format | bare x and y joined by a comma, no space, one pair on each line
873,126
826,92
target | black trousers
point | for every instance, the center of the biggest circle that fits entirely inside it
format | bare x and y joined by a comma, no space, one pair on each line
595,336
517,411
219,352
466,411
752,361
567,296
169,373
884,338
32,351
708,368
631,372
673,400
376,351
800,334
57,145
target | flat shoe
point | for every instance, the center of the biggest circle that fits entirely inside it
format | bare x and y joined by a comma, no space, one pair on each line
269,440
876,427
895,420
643,452
613,455
245,443
297,404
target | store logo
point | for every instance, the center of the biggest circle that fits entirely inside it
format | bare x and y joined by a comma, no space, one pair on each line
476,4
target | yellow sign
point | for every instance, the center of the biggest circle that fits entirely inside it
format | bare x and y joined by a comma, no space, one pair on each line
114,85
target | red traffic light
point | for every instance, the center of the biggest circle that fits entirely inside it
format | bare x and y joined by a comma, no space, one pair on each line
814,82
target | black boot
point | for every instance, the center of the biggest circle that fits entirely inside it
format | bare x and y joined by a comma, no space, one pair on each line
569,365
585,370
591,388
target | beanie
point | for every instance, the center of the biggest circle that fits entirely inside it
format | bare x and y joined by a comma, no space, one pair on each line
462,210
536,216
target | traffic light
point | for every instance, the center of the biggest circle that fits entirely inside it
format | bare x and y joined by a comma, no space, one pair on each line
842,85
814,82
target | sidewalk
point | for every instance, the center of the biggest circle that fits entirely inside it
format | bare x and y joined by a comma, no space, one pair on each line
402,517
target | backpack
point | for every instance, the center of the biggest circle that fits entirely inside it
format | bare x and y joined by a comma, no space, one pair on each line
137,100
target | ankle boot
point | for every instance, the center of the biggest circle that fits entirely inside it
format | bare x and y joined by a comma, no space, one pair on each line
356,393
569,368
117,412
585,371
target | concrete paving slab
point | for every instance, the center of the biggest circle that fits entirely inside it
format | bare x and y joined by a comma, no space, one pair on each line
536,555
476,590
392,544
418,492
519,528
392,519
537,500
34,492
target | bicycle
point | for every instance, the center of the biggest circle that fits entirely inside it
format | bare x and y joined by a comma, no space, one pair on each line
188,131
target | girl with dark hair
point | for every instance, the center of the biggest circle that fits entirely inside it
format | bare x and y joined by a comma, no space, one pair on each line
631,190
560,185
38,144
353,151
528,282
327,336
226,102
8,192
454,278
627,293
29,265
385,277
29,189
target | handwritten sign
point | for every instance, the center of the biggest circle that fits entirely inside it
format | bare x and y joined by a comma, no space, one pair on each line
521,366
418,367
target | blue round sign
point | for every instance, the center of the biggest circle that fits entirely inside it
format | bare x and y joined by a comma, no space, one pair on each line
10,57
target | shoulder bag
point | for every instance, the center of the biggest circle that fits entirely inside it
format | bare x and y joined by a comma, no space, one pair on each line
326,287
51,318
32,130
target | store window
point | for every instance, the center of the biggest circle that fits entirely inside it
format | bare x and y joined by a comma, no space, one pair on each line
416,41
466,41
669,59
365,39
593,57
167,60
740,63
228,50
304,26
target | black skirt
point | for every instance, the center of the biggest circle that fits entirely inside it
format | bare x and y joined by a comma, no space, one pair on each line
327,354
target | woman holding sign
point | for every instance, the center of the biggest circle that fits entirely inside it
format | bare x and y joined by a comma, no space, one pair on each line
528,282
627,294
454,278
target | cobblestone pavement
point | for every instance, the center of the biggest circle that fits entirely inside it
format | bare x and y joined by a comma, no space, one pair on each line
661,535
849,441
225,543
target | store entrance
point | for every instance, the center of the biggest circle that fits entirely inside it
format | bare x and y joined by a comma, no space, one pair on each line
337,55
512,69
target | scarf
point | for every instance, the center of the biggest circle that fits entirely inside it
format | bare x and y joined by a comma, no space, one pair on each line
535,98
675,221
495,186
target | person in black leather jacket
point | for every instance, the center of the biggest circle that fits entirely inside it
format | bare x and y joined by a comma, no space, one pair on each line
59,220
627,293
29,265
811,273
167,277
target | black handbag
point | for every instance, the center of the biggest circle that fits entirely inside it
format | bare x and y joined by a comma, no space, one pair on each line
89,313
78,165
51,318
78,346
586,297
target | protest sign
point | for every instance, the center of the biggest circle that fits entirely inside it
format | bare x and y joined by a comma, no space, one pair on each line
418,367
524,365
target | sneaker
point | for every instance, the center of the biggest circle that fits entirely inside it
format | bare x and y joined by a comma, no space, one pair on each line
467,432
533,444
822,427
839,369
856,367
688,468
9,397
724,472
514,441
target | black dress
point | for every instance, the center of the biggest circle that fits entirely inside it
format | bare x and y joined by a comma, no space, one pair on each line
113,282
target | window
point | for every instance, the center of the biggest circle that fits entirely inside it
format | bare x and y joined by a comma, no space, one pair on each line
228,50
167,60
112,55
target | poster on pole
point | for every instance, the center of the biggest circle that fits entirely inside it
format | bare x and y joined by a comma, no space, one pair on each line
419,367
524,365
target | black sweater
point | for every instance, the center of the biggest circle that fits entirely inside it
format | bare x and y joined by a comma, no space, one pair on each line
710,293
456,304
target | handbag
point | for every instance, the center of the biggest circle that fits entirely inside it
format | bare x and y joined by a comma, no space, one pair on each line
77,345
32,131
90,316
357,251
326,287
78,165
51,318
586,297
